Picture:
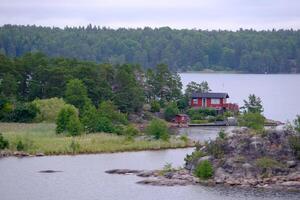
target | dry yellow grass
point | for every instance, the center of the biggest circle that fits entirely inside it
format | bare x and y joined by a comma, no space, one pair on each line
41,138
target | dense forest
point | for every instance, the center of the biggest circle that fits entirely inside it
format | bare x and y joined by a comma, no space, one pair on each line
274,51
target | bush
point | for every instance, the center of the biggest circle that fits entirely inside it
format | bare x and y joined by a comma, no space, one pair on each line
3,142
204,170
49,109
171,111
68,121
294,142
20,146
267,163
155,106
215,148
74,127
131,131
200,114
159,129
222,134
74,146
21,112
194,156
297,123
252,120
184,138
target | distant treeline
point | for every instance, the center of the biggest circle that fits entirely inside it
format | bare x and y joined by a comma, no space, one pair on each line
276,51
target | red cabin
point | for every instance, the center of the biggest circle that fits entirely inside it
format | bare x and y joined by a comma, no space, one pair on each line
216,101
181,119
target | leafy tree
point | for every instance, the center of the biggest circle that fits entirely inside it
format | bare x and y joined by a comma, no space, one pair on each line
68,117
8,86
170,111
159,129
194,87
253,105
76,93
155,106
252,120
129,95
3,142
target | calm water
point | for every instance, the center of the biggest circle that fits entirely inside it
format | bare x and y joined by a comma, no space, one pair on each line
83,178
280,93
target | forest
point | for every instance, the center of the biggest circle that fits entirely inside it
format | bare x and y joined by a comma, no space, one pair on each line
247,51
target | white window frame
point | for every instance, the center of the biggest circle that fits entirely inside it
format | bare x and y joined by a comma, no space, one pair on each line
215,101
195,101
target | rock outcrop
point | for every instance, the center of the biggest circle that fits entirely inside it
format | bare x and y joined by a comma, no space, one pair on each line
251,160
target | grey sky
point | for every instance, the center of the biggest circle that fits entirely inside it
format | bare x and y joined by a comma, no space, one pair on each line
200,14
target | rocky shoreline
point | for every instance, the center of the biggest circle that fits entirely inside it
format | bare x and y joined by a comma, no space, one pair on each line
19,154
244,159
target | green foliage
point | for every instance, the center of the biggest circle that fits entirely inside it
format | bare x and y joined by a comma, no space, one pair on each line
194,87
20,146
68,121
8,86
49,109
252,120
297,123
199,121
194,156
159,129
184,50
76,93
216,148
131,131
267,163
3,142
155,106
163,84
222,134
171,111
18,112
253,105
183,103
74,126
204,170
294,142
184,138
200,114
74,146
129,96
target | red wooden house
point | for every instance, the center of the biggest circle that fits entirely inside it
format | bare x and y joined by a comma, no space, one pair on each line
213,100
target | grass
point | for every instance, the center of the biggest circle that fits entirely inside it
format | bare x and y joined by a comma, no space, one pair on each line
41,138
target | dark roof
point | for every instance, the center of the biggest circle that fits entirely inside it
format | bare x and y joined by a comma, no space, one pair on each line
210,95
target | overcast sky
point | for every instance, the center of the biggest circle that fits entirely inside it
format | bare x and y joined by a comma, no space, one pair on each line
200,14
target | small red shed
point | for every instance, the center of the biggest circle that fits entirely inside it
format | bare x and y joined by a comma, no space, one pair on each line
181,119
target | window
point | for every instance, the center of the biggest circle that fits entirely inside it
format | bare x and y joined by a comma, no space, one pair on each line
195,101
215,101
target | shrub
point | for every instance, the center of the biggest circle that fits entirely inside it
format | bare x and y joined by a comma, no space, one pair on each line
184,138
49,109
109,110
199,114
68,121
219,118
297,123
155,106
215,148
159,129
194,156
252,120
222,134
21,112
74,146
3,142
204,170
20,146
294,142
228,114
90,118
74,127
130,131
170,111
267,163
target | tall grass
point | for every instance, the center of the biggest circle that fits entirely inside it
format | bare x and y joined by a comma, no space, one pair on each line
41,138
